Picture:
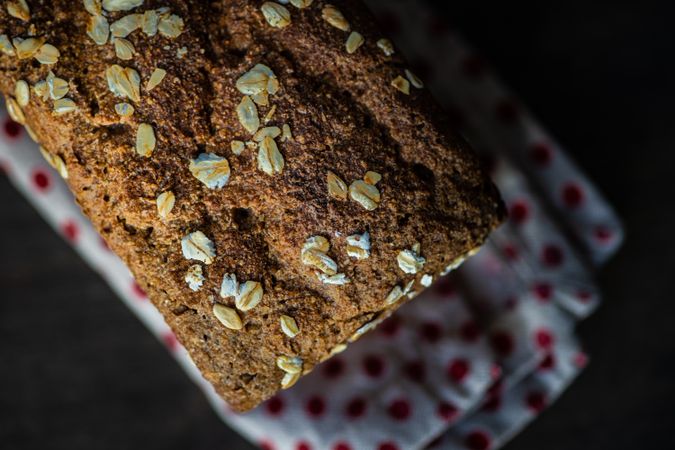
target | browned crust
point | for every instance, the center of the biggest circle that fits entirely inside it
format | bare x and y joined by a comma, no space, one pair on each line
345,116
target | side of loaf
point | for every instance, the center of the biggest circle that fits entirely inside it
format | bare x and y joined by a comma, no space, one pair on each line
275,177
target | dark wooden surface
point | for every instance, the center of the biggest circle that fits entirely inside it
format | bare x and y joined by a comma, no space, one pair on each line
77,371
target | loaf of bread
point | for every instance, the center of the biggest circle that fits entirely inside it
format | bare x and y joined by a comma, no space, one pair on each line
274,175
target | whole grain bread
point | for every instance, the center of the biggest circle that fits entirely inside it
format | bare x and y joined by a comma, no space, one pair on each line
266,254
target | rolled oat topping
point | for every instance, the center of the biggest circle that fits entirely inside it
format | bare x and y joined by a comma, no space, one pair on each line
194,277
198,247
354,41
247,113
394,295
19,9
6,46
386,46
338,279
56,87
121,5
98,29
126,25
301,3
336,187
93,7
365,194
14,110
124,49
333,16
276,15
426,280
27,48
237,147
289,326
145,140
124,109
156,78
358,245
22,93
270,159
150,22
64,106
230,286
272,132
124,82
210,169
289,379
290,364
56,162
249,295
227,316
414,79
165,203
171,26
401,84
286,134
409,261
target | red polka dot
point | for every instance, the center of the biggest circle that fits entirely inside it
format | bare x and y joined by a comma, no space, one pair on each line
447,411
12,129
541,154
548,362
544,339
266,445
572,195
138,291
492,403
580,360
373,366
470,331
333,368
170,341
303,446
477,440
495,371
387,446
70,230
399,409
41,180
356,408
603,234
507,111
342,446
473,66
552,256
415,370
274,406
445,287
315,406
510,251
519,212
543,291
104,244
535,401
502,343
584,296
431,332
458,369
390,326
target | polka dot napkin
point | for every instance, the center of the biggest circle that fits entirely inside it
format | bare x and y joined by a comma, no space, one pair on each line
482,352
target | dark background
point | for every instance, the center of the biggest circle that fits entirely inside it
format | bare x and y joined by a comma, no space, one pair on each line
77,371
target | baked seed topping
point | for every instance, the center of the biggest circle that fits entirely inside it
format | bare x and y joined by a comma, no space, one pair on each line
98,29
230,286
227,316
249,295
365,194
93,7
124,109
336,187
301,3
210,169
354,41
247,113
426,280
289,380
333,16
401,84
56,162
19,9
145,140
414,79
6,46
194,277
165,203
198,247
270,159
124,49
409,261
156,78
171,26
290,364
121,5
289,326
276,15
27,48
358,245
14,110
22,93
394,295
63,106
126,25
386,46
57,87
